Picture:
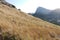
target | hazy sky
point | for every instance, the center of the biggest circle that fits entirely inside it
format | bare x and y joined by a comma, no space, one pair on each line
31,5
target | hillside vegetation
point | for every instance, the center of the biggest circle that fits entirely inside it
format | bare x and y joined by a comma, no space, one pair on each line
16,25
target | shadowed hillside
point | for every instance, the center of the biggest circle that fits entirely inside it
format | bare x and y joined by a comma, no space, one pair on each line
16,25
52,16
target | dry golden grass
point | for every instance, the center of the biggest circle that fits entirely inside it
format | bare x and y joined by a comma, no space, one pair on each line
16,25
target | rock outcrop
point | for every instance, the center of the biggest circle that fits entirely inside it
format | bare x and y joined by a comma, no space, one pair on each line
6,3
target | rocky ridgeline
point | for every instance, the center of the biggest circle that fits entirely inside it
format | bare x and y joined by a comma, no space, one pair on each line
6,3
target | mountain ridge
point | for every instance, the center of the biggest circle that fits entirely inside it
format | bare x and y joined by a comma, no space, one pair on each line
6,3
50,16
42,10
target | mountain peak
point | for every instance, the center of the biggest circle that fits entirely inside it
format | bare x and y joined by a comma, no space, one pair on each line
41,10
40,7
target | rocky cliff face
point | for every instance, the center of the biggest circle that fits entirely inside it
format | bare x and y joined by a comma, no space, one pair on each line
41,10
16,25
42,13
52,16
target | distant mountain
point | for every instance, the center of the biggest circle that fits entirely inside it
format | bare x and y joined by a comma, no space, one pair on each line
41,13
52,16
41,10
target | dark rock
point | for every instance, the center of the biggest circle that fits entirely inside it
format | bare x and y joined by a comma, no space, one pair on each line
52,16
6,3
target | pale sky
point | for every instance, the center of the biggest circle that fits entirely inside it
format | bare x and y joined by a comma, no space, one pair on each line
30,6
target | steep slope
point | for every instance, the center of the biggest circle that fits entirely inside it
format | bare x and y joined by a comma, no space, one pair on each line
40,12
16,25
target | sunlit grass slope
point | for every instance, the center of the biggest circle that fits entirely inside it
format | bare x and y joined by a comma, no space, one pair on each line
16,25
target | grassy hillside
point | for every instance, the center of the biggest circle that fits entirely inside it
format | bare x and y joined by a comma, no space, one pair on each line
16,25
